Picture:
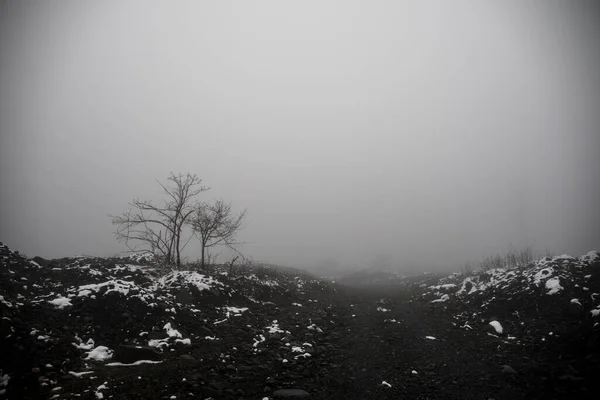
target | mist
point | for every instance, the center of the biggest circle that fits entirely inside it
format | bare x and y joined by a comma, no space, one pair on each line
414,135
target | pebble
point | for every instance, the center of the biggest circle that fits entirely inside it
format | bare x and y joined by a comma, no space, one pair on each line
290,394
508,369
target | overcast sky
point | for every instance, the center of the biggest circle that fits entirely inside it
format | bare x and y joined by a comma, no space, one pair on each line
428,133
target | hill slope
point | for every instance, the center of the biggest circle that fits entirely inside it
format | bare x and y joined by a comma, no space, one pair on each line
122,328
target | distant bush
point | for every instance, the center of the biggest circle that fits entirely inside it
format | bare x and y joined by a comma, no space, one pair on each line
514,258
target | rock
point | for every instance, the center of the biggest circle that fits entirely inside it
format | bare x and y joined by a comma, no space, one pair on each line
290,394
508,369
206,332
211,392
184,296
128,354
575,308
41,261
156,335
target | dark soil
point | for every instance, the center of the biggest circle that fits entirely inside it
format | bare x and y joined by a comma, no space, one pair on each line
356,340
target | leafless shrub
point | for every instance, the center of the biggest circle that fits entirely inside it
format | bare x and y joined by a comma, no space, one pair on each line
514,258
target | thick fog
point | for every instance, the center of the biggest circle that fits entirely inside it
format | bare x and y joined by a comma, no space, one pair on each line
417,134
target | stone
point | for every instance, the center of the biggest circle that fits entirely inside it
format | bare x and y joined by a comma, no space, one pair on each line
41,261
575,308
211,392
507,369
184,296
291,394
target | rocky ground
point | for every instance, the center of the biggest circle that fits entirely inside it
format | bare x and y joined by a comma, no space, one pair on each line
121,328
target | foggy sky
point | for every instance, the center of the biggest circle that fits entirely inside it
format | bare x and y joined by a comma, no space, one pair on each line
425,133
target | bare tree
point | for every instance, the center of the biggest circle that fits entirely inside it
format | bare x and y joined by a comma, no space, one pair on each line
214,224
159,228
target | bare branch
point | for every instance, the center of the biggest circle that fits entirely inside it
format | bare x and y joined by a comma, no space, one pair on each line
215,225
159,229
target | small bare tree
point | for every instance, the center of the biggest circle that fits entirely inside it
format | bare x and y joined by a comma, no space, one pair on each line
215,225
159,229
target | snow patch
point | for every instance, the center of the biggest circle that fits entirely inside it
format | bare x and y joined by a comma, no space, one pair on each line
442,299
553,285
496,325
61,302
138,362
100,353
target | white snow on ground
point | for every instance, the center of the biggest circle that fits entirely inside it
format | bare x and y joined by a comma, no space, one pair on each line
88,346
260,339
304,355
274,328
441,299
465,284
541,274
497,326
591,257
298,349
6,303
80,374
114,285
138,362
548,273
100,353
549,276
444,286
139,257
61,302
236,311
553,286
172,332
200,281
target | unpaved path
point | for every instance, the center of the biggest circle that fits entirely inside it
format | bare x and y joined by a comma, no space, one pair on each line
457,364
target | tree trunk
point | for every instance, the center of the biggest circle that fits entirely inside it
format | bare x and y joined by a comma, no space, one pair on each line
178,250
202,259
